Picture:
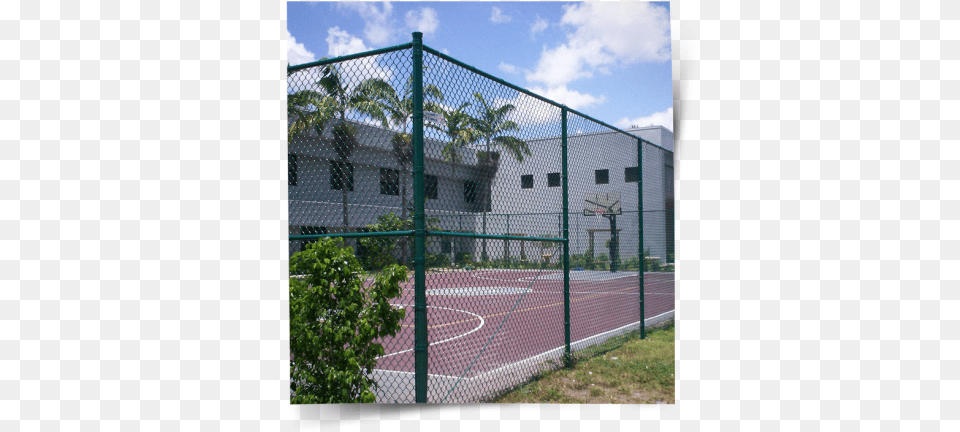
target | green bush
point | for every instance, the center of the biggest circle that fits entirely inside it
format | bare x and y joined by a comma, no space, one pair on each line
653,264
334,321
601,262
378,252
437,260
631,263
580,260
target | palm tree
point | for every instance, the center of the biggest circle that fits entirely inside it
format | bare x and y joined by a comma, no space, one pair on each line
307,110
491,126
458,126
340,97
397,108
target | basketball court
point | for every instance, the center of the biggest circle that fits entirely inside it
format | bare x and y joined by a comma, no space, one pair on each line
488,330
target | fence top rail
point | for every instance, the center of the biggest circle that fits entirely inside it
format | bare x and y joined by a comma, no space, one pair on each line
322,62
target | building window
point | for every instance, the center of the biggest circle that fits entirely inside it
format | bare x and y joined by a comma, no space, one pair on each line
291,169
602,176
526,181
389,181
431,186
553,180
446,246
341,174
631,175
470,189
310,230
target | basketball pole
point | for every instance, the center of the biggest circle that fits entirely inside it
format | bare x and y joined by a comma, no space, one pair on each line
614,244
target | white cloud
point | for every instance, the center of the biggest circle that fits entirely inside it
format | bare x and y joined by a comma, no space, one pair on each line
570,98
352,72
425,21
378,27
663,118
297,53
604,34
508,68
538,26
497,16
339,43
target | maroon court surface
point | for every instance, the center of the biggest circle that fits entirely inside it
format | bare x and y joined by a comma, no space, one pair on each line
482,320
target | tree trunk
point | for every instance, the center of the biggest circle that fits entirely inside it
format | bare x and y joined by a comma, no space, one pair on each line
489,172
343,189
403,211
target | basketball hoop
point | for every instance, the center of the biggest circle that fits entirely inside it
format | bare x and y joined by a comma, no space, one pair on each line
599,213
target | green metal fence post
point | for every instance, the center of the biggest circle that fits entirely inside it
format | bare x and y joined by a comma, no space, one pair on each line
566,234
419,228
506,243
643,259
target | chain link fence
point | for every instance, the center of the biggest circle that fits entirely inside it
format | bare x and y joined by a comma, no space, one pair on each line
520,218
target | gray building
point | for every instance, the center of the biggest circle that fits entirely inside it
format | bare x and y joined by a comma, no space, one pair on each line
526,197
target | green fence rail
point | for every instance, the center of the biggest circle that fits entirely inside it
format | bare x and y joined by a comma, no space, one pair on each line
532,230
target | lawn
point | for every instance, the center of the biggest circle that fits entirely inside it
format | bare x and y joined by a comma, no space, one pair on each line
623,370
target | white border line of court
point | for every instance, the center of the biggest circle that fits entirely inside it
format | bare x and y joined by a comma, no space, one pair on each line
476,274
626,275
519,371
579,342
445,340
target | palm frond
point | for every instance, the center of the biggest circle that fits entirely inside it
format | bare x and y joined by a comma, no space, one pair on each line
516,146
433,91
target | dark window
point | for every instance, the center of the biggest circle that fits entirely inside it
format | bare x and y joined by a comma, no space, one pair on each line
431,186
389,181
341,174
470,189
630,175
602,176
311,230
445,246
553,180
526,181
292,169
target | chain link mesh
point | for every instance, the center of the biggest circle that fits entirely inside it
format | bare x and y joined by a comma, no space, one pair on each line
493,191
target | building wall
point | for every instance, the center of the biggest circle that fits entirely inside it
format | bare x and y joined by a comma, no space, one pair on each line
514,210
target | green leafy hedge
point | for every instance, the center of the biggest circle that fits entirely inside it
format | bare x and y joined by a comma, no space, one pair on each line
335,321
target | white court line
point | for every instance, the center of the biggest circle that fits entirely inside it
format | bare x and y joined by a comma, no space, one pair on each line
619,329
445,340
527,279
477,274
414,373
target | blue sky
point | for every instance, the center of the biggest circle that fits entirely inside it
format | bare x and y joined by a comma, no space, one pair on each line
610,60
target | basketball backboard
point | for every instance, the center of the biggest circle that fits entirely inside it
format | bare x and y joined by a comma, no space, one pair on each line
606,203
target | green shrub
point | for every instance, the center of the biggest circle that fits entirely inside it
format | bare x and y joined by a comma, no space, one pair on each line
631,263
652,263
378,252
334,321
437,260
601,262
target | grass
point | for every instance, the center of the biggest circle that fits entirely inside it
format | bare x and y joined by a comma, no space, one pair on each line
622,370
